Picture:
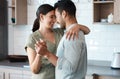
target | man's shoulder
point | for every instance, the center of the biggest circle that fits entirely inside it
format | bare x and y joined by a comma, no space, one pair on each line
81,36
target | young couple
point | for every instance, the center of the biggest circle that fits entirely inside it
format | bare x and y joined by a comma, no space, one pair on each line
58,56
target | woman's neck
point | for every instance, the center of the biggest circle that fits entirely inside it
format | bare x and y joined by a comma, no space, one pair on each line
45,30
47,33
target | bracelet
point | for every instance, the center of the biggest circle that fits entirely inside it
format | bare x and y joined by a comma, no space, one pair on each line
39,55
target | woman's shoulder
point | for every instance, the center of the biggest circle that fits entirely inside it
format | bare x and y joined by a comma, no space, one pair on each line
58,30
35,35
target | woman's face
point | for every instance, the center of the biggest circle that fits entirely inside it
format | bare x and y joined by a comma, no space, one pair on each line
49,19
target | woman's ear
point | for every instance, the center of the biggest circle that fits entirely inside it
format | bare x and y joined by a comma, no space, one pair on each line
41,17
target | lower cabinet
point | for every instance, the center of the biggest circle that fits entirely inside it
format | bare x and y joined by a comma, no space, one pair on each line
2,75
27,74
7,73
13,74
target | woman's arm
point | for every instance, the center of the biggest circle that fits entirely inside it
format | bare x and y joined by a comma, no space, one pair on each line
84,28
34,60
41,49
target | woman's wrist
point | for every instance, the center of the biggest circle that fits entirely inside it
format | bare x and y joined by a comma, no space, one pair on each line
39,55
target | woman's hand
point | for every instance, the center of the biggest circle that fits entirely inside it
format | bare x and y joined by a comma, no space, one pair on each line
41,47
73,32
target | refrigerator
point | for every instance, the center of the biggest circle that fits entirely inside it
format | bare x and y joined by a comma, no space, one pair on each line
3,29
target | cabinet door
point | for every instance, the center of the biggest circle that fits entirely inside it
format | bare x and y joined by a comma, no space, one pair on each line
13,74
2,75
27,74
117,11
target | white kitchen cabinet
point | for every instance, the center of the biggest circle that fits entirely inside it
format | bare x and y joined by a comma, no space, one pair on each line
10,73
2,75
14,73
27,74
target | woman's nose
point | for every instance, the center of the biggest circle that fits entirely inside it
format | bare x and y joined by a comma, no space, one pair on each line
54,19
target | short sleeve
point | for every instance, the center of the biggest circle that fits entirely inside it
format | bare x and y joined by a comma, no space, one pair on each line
30,42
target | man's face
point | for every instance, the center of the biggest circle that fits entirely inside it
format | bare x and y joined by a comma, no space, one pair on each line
59,19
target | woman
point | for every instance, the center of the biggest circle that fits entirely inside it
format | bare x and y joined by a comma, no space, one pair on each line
41,67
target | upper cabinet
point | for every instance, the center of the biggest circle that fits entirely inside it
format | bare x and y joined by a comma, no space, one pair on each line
17,12
105,10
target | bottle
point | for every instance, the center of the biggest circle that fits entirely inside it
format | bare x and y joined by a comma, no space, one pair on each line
110,18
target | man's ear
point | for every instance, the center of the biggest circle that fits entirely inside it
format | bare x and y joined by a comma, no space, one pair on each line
64,14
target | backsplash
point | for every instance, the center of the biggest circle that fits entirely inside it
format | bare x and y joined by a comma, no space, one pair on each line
18,35
102,42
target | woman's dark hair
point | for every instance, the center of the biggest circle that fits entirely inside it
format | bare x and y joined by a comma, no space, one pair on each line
35,25
43,9
66,5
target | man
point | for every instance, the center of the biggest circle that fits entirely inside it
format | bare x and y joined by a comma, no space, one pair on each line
71,59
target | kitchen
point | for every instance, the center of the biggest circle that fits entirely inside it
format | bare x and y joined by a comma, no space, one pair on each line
102,42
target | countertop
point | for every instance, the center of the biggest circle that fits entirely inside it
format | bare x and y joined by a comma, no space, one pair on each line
103,71
20,65
92,68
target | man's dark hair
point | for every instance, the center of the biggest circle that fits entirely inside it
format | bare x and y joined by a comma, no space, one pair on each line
66,5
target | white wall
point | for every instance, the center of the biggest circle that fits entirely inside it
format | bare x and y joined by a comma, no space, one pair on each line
102,41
